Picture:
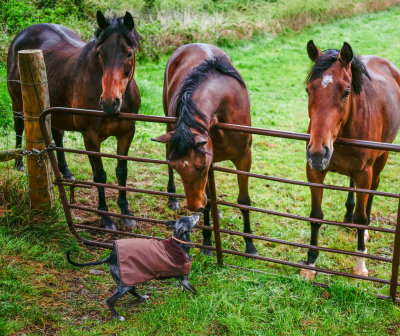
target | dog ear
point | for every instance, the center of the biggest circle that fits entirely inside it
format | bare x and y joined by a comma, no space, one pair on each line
170,223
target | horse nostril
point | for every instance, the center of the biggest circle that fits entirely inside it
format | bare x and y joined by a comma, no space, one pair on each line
327,151
116,102
101,101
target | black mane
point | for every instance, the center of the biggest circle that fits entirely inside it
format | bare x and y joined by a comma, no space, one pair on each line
183,139
329,57
117,24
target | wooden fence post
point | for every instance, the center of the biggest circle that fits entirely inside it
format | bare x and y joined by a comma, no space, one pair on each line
35,98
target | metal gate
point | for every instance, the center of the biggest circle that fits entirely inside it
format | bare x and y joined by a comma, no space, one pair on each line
72,184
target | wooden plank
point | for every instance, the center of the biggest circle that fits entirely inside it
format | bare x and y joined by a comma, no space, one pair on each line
35,98
11,154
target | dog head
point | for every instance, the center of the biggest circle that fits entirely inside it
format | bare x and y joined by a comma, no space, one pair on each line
184,226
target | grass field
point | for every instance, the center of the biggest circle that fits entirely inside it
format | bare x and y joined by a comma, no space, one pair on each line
41,294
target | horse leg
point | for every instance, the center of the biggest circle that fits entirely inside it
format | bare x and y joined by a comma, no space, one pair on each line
350,204
316,212
244,164
62,163
122,172
206,219
377,168
363,180
99,175
173,203
19,130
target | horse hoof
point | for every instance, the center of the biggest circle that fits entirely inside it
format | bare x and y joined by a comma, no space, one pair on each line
307,274
107,223
254,253
128,223
19,167
207,252
362,272
173,206
69,176
250,249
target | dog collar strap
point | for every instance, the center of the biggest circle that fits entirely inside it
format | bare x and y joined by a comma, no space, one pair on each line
181,241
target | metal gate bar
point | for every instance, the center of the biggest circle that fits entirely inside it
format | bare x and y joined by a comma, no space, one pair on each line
61,182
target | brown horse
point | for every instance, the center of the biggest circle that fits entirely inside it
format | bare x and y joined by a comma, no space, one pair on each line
84,75
356,98
201,88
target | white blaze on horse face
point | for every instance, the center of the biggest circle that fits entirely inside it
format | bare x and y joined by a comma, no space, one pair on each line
326,80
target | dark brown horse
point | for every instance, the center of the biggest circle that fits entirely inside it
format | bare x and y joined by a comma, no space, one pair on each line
201,88
356,98
84,75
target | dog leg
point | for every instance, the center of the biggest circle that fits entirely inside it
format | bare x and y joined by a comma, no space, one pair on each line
120,292
135,293
185,284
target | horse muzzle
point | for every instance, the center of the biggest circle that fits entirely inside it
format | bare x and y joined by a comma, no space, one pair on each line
110,106
319,160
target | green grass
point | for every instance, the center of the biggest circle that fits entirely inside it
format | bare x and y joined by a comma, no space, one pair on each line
40,294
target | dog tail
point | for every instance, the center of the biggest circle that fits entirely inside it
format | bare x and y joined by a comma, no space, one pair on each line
98,262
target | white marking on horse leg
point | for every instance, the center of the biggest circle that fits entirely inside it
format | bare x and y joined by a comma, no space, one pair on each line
366,236
326,80
308,274
360,268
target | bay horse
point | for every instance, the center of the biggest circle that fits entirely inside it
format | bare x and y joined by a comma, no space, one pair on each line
85,76
202,88
356,98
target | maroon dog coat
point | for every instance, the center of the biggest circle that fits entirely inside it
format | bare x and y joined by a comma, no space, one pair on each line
140,260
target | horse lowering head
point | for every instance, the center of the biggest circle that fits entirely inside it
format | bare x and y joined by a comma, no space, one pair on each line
191,156
116,40
332,81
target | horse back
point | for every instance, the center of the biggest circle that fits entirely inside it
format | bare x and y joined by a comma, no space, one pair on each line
382,93
181,63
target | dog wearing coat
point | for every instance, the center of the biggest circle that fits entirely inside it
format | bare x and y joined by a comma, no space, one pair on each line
134,261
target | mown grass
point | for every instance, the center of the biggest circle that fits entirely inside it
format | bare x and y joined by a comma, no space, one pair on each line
40,294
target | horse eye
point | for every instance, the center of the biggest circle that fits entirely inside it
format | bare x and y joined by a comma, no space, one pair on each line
346,93
129,54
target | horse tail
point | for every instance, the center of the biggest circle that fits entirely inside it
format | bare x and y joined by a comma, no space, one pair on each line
98,262
187,112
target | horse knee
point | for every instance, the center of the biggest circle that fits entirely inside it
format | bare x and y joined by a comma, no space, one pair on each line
100,177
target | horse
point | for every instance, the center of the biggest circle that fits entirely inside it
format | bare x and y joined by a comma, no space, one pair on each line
355,97
85,75
202,88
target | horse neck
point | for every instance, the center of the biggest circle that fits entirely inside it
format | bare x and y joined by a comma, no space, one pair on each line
87,59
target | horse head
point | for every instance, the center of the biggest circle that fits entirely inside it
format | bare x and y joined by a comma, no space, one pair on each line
332,81
116,40
192,164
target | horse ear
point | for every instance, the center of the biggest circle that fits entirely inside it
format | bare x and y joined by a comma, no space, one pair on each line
346,54
101,20
313,52
128,21
164,138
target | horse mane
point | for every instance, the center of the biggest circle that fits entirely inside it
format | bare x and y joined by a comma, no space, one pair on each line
183,139
117,24
329,57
